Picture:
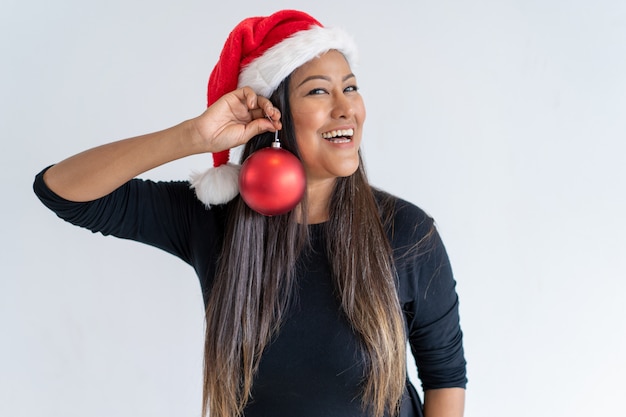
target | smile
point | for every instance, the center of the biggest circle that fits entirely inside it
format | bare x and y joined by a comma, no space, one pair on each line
339,136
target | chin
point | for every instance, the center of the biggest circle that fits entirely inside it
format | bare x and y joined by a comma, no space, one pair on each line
349,171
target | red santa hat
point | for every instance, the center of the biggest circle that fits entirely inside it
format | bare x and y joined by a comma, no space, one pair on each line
261,52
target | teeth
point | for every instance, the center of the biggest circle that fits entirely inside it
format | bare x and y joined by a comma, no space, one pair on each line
336,133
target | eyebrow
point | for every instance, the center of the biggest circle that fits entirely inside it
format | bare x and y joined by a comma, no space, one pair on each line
325,78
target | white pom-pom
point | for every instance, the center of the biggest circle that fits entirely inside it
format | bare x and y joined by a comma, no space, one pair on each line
216,185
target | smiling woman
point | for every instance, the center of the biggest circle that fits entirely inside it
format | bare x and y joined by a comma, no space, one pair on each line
308,313
325,104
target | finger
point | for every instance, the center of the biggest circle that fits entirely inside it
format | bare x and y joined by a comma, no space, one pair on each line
250,98
274,115
256,127
271,112
269,109
257,114
261,107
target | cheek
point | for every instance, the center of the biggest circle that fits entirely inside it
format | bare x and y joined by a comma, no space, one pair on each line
299,125
306,119
305,128
306,147
360,110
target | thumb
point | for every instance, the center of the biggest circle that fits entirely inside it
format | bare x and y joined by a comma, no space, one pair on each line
258,126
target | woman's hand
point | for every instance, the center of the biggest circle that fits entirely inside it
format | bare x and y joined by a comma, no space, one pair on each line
231,121
234,119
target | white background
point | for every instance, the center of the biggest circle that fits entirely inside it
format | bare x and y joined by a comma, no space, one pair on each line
505,120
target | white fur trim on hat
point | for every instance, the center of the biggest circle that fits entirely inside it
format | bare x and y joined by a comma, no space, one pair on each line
265,73
216,185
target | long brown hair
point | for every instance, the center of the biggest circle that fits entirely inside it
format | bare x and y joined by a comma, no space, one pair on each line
254,279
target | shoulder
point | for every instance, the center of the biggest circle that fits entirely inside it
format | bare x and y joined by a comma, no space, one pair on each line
406,224
419,254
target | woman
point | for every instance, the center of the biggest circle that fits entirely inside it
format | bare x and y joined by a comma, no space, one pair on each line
307,313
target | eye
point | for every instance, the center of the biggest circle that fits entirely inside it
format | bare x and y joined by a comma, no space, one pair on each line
317,91
352,88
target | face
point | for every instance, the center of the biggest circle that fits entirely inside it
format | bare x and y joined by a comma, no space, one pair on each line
328,115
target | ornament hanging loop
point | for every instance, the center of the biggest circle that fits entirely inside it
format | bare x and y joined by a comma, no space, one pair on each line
276,143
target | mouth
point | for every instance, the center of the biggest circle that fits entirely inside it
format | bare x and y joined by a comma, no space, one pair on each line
339,136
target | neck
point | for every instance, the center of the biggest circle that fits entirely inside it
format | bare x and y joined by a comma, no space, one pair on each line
318,195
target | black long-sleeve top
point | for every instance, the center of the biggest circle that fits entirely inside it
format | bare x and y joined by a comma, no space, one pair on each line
311,367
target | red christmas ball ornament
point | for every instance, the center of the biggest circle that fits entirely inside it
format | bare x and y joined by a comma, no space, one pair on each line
272,181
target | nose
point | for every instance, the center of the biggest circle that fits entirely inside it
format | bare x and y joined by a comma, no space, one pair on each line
343,108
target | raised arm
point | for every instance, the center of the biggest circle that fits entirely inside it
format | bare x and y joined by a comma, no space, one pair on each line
231,121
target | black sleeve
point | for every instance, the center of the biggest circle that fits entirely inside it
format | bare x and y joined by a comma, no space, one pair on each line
435,333
160,214
431,305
